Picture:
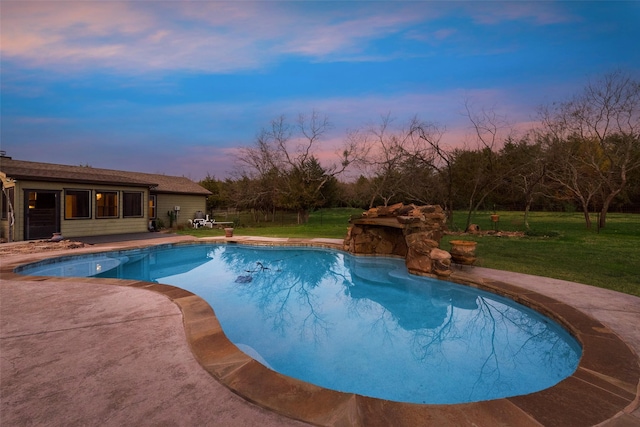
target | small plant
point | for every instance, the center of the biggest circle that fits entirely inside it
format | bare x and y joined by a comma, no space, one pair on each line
172,217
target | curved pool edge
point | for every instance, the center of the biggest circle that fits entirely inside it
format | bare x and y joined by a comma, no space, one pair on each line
604,386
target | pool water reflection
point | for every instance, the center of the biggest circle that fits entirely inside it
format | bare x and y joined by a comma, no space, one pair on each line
362,324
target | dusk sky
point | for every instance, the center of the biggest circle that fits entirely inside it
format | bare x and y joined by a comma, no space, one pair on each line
176,87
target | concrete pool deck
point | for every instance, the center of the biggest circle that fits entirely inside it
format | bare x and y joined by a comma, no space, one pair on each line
77,351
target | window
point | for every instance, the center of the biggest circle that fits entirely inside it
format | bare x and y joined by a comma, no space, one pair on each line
77,204
153,200
106,204
132,205
33,199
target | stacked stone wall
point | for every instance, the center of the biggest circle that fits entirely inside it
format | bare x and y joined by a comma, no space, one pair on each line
412,232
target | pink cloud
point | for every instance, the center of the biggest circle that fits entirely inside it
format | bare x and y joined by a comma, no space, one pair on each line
541,13
119,35
322,38
209,36
221,36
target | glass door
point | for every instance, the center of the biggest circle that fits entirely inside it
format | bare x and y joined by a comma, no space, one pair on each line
42,214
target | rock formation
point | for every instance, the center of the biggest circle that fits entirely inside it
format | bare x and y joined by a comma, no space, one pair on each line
409,231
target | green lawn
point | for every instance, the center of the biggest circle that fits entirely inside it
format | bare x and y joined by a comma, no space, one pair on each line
558,245
609,258
329,223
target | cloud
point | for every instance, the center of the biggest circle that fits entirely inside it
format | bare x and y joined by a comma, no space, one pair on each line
217,37
38,121
539,13
188,137
445,109
348,33
114,35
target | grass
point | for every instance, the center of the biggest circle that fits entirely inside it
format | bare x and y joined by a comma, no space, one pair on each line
557,245
328,223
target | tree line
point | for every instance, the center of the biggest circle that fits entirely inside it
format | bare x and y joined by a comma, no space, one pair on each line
582,154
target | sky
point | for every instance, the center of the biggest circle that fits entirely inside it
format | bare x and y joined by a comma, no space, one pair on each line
176,87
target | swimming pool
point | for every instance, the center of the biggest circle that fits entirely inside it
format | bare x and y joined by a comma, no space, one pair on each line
356,324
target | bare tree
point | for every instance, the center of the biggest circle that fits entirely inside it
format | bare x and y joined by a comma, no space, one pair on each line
526,161
604,121
485,175
568,174
382,149
284,160
427,149
405,162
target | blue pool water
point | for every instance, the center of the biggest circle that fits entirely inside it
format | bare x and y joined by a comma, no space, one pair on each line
355,324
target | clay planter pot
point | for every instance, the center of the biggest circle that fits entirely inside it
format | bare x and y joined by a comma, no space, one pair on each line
463,251
228,232
57,237
495,218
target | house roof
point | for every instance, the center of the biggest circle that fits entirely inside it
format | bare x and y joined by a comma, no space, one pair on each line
19,169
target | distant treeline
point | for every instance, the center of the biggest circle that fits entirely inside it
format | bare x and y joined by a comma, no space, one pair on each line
582,155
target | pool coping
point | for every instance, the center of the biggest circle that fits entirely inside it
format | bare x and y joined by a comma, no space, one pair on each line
604,387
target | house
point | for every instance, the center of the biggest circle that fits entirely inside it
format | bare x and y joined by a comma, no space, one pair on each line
39,199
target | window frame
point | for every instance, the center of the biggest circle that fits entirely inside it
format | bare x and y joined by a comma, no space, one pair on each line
153,206
89,210
139,203
98,208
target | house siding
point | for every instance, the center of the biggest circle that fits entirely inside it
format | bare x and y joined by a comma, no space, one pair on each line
189,205
5,222
170,191
83,227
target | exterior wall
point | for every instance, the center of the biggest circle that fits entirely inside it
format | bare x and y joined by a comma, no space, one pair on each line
18,203
82,227
99,226
189,205
5,223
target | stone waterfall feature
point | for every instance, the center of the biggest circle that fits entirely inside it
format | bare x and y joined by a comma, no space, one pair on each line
412,232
